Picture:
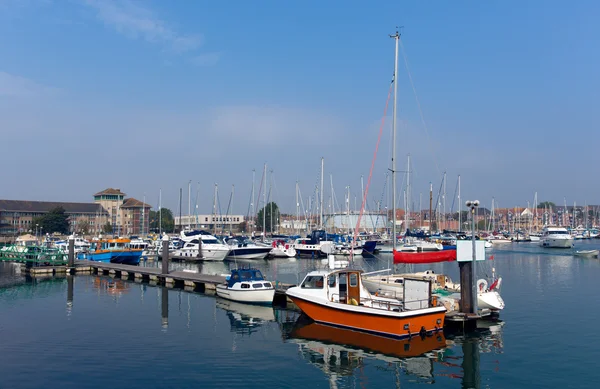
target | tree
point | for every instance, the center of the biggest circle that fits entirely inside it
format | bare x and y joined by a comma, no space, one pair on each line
270,207
168,222
545,204
107,228
84,227
56,220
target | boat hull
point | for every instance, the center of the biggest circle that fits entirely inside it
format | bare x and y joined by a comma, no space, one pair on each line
425,257
125,257
557,243
391,324
490,300
250,252
262,296
192,255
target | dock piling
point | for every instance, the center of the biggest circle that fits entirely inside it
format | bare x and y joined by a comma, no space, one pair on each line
165,254
71,257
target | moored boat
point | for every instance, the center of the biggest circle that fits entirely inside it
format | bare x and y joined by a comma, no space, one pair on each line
587,253
113,251
556,237
247,286
339,298
424,256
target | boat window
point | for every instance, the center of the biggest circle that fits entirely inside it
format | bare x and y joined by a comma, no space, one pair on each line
313,282
399,281
353,279
268,285
245,286
256,286
331,281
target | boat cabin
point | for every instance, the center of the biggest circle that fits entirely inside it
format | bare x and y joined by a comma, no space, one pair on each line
247,278
345,286
111,245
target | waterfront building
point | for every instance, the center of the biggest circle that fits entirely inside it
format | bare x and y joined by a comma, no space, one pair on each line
211,222
17,216
126,216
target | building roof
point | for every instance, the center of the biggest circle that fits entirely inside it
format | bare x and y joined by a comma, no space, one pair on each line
47,206
110,191
134,203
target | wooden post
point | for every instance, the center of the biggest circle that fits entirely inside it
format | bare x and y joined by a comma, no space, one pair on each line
466,292
165,254
71,256
164,307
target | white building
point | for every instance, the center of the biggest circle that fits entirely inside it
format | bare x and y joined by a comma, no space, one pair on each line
370,222
209,221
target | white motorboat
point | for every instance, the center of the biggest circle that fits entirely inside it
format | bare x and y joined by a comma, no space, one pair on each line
556,237
244,248
247,286
419,245
587,253
282,249
392,286
212,248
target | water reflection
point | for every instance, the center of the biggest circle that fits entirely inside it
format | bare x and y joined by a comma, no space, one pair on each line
339,352
245,318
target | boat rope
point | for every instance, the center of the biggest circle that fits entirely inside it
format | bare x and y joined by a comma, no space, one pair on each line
365,194
418,104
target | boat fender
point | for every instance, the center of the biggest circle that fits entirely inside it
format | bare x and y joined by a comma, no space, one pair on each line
423,332
353,301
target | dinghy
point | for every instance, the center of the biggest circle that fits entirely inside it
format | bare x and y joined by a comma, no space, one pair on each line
587,253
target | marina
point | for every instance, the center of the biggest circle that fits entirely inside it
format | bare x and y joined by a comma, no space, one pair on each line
191,325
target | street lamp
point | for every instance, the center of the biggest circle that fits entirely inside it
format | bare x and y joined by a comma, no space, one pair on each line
473,205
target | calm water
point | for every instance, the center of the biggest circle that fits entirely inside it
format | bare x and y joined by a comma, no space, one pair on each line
96,332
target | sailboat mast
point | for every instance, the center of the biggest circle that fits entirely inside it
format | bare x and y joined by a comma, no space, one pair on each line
297,212
430,207
459,205
265,203
252,203
408,193
189,203
215,210
160,211
231,213
444,201
396,37
321,194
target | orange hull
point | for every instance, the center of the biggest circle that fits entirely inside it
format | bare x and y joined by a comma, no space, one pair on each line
398,348
371,322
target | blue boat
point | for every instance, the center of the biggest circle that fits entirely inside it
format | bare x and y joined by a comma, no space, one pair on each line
113,251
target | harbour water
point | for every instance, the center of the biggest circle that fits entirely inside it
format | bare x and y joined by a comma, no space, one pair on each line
98,332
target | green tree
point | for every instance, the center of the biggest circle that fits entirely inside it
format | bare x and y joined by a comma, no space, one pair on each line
107,228
168,222
271,209
545,204
56,220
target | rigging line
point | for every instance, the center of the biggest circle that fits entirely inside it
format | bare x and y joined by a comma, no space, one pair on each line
364,199
418,105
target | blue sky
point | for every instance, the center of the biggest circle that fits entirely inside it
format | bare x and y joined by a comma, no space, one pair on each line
143,95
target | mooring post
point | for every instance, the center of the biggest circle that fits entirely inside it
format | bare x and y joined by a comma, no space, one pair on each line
164,307
69,292
165,254
71,257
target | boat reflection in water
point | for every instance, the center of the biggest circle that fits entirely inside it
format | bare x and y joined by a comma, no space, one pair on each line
245,318
111,287
338,352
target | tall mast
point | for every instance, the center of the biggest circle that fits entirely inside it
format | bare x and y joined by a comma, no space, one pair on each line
189,203
160,211
407,215
265,203
444,202
252,202
271,202
143,216
430,207
215,210
231,213
396,37
321,194
297,211
459,205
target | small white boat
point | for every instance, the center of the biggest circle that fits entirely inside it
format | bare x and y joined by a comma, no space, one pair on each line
556,237
587,253
282,249
247,286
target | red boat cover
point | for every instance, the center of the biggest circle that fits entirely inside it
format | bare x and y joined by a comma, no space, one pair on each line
425,257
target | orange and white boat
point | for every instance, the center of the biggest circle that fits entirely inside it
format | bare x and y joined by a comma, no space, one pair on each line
339,298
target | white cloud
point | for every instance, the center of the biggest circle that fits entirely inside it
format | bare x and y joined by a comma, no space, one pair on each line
207,59
137,22
17,86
